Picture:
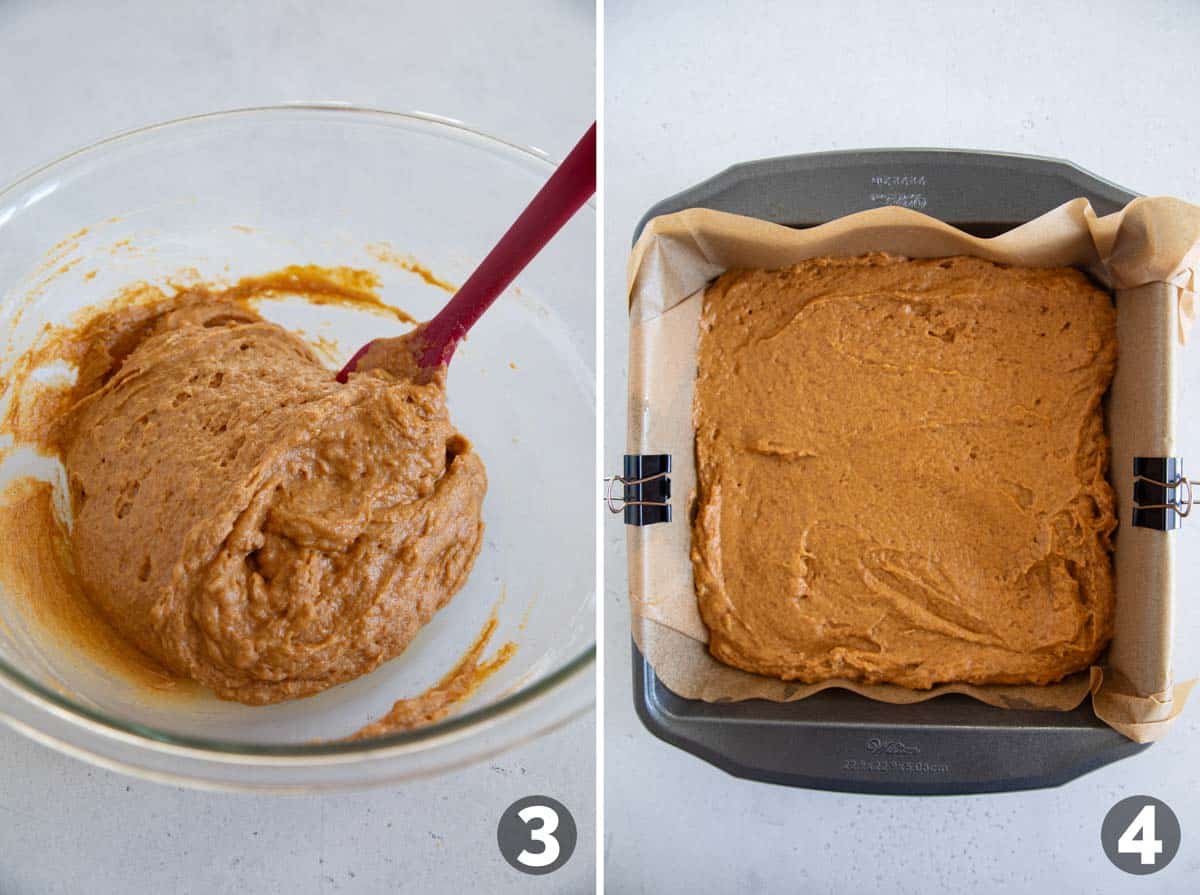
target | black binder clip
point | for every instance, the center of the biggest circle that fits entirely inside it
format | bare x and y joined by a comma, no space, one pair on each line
646,489
1162,495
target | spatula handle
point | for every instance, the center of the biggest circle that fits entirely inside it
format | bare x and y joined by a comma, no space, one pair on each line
572,184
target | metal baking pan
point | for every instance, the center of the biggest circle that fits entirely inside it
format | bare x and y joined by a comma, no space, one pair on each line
838,740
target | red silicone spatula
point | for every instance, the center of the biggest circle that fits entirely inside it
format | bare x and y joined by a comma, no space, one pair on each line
432,345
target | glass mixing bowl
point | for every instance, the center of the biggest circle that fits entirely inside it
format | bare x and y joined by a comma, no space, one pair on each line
236,193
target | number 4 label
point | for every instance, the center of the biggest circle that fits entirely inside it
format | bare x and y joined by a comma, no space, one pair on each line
1139,838
1140,834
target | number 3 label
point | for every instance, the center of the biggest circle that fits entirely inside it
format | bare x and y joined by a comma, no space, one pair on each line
543,834
536,834
1140,834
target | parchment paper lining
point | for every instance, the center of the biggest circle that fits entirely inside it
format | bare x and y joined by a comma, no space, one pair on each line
1148,254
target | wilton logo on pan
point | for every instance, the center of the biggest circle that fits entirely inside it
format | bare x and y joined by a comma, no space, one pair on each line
889,757
877,746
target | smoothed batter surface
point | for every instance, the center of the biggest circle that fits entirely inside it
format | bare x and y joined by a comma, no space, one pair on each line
245,519
901,471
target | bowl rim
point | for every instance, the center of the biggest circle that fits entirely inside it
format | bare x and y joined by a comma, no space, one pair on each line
336,751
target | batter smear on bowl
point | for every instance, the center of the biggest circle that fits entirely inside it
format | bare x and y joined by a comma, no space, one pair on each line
901,471
244,519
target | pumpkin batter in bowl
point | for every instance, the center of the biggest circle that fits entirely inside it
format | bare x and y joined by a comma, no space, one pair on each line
248,521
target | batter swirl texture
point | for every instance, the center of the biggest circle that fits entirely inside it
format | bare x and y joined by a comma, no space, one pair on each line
901,471
248,521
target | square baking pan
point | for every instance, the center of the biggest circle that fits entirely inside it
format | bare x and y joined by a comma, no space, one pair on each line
838,740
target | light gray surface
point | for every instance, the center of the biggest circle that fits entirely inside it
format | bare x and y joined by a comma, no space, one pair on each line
72,73
692,88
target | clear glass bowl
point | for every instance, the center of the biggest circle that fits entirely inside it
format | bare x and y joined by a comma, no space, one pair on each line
250,191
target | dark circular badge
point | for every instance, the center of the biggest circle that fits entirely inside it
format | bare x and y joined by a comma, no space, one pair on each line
1140,834
536,834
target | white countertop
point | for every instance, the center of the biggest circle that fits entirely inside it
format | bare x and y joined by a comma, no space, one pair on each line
692,88
73,73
